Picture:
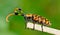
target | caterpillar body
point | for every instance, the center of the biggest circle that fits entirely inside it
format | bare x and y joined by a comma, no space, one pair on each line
37,19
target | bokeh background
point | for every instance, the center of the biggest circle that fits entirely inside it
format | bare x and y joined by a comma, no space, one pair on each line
47,8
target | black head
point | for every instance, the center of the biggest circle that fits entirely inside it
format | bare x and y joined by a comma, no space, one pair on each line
19,9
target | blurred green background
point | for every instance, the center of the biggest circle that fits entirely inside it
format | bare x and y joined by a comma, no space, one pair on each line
47,8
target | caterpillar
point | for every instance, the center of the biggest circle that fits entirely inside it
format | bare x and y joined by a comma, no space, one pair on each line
30,18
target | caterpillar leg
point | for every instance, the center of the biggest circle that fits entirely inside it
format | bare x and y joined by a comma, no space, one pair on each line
42,27
25,22
33,26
